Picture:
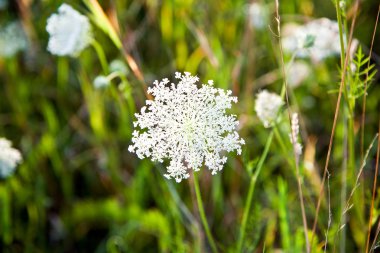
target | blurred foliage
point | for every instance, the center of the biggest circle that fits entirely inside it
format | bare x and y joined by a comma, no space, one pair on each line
80,190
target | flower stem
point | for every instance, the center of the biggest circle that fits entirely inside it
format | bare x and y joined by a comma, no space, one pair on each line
101,55
251,190
202,214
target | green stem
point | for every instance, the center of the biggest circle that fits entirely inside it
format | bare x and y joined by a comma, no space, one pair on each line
252,185
202,214
101,55
62,72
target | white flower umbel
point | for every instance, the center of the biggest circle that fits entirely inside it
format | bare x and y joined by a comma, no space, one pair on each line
294,136
187,125
317,39
9,158
70,32
3,4
12,39
298,72
266,106
258,15
101,82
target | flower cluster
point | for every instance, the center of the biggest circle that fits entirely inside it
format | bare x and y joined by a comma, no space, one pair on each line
258,15
70,32
9,158
267,106
295,130
298,72
12,39
187,125
317,39
3,4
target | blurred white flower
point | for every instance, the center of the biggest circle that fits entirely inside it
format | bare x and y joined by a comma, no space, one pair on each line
9,158
187,125
258,15
295,130
342,4
3,4
70,32
267,106
101,82
12,39
317,39
298,72
118,66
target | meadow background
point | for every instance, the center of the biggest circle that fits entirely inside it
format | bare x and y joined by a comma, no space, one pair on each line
78,188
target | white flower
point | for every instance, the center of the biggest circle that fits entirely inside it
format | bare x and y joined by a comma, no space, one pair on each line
258,15
70,32
101,82
9,158
317,39
12,39
3,4
266,106
187,125
118,66
295,130
298,71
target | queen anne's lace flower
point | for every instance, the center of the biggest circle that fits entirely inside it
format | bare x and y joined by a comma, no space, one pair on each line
317,39
70,32
12,39
266,106
258,15
101,82
298,72
3,4
9,158
187,125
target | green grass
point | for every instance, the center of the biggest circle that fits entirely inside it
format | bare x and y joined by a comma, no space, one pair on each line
80,190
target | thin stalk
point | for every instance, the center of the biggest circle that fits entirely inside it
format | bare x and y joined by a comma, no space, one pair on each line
343,194
365,88
202,214
299,180
337,107
62,72
101,55
374,189
251,189
346,141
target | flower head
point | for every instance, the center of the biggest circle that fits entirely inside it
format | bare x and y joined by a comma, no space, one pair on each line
266,106
187,125
101,82
70,32
12,39
9,158
3,4
295,130
298,72
317,39
258,15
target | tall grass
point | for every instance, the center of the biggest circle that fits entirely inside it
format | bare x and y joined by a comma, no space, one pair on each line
80,190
